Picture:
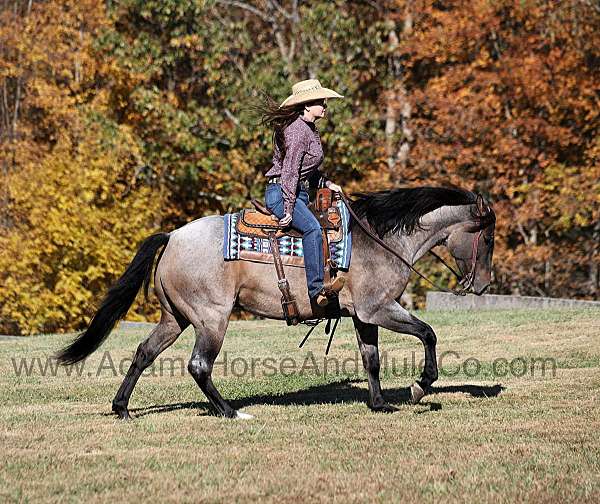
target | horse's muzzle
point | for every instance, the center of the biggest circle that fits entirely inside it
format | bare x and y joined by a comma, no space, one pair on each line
481,290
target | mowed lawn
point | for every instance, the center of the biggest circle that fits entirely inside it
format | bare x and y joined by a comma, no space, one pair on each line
515,416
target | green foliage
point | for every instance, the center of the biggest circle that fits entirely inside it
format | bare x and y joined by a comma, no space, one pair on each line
201,68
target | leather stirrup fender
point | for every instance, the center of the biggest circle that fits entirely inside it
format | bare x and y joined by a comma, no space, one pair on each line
288,303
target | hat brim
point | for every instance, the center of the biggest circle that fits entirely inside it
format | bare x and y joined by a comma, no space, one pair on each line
315,94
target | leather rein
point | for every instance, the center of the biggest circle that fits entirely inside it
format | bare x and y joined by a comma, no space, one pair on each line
465,282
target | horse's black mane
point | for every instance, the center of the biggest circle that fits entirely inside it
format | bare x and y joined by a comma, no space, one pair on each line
401,209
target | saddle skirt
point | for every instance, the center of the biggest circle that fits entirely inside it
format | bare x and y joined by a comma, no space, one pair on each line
245,240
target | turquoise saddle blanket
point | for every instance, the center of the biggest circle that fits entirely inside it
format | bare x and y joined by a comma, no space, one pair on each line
238,246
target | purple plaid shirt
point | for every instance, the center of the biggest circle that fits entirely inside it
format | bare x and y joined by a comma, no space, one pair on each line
303,158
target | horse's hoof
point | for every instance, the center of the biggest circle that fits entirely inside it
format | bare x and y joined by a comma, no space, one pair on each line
122,413
416,393
383,408
240,415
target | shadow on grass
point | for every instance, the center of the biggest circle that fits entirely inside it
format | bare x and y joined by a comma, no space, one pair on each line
486,391
342,391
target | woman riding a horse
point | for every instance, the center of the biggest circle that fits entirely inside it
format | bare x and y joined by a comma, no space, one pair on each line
196,286
297,159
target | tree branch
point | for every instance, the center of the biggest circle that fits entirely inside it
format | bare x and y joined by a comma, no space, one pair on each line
275,6
234,119
242,5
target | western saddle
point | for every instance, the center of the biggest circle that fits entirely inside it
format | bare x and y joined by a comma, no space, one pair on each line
262,223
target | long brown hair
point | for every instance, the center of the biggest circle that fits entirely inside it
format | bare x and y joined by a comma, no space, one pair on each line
278,118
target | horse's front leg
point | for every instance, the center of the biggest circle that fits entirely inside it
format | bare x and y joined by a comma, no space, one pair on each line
367,337
395,318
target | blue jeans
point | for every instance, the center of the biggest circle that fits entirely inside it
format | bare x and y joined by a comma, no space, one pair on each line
304,221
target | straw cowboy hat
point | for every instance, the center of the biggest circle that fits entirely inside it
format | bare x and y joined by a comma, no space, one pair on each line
308,90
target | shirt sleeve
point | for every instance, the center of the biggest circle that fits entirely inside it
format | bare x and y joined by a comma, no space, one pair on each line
296,146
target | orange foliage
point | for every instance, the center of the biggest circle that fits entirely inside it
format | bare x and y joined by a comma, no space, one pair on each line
136,118
71,210
505,101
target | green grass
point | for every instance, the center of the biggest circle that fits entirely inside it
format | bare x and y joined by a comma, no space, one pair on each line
487,436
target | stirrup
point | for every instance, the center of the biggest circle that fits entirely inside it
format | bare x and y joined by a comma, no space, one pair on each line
326,294
336,285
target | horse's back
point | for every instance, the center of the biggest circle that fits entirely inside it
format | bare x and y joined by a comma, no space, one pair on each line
194,253
206,228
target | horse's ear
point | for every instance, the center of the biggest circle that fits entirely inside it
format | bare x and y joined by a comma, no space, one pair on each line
481,206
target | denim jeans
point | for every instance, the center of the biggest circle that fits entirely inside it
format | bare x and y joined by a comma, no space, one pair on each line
304,221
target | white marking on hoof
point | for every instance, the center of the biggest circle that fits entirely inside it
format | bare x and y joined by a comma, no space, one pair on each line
243,416
416,393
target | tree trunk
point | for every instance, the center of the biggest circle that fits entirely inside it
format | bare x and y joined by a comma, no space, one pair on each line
391,114
398,106
594,277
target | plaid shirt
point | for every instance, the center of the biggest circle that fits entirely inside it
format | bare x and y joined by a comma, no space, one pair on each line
303,158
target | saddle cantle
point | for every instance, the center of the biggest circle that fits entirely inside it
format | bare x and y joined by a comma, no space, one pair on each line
256,224
259,221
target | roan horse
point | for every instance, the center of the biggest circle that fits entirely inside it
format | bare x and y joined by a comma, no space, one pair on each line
195,285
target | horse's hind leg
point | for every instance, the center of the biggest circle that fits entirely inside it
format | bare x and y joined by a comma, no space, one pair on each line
162,336
210,333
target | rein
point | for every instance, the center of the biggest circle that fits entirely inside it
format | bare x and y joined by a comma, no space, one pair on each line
465,282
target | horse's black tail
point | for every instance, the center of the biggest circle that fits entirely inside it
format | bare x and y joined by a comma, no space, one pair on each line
116,303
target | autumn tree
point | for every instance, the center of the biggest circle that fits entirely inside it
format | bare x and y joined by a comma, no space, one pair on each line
72,210
505,101
126,117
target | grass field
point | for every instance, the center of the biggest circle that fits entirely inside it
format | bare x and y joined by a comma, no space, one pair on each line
515,416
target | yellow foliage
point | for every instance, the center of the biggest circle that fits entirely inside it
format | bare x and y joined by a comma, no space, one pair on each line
73,231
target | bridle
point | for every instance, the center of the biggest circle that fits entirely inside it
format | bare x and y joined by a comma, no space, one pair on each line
465,282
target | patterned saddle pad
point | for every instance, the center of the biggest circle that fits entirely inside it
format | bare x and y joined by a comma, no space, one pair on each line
238,245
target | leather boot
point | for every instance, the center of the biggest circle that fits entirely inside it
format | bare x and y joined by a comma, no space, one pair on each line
330,290
321,298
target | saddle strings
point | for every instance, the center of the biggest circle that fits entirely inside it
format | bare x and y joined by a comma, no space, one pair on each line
315,323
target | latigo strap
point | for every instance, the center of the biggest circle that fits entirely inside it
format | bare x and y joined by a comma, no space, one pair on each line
288,303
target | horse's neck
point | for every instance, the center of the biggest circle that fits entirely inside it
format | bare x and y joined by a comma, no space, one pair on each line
435,227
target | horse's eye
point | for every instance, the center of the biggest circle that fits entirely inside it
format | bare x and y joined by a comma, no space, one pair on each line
488,239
